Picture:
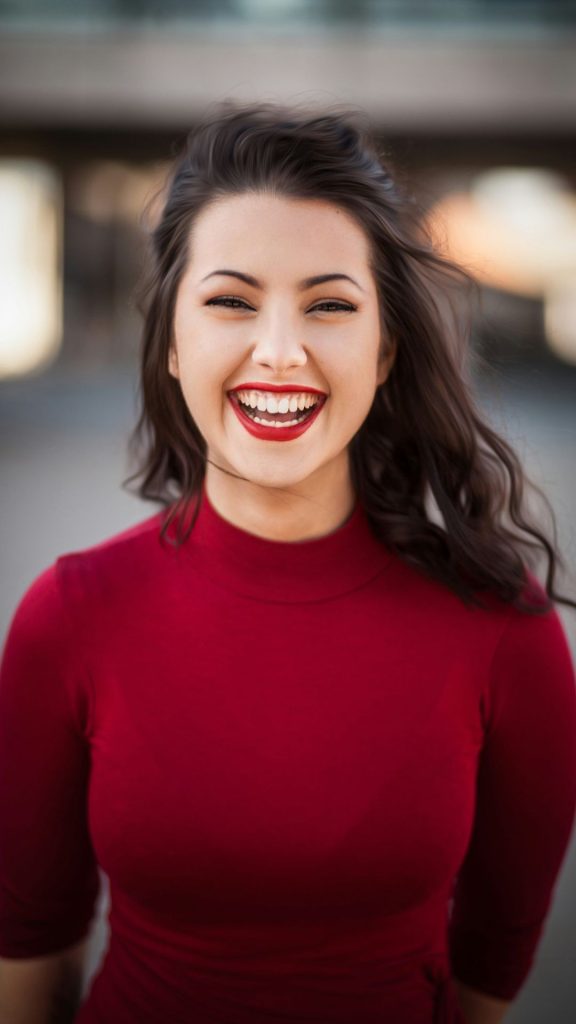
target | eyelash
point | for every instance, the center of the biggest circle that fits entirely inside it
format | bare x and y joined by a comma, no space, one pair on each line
233,302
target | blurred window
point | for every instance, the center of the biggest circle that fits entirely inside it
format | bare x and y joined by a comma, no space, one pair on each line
110,208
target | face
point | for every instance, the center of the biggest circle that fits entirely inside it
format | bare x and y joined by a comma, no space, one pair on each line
278,292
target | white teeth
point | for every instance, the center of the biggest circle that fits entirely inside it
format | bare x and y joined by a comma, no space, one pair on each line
268,423
268,402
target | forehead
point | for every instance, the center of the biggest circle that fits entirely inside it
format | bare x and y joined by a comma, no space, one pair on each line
261,226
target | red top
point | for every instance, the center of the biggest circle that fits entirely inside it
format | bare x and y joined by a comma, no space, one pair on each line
287,758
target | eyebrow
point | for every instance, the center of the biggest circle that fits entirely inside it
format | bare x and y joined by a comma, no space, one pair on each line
308,282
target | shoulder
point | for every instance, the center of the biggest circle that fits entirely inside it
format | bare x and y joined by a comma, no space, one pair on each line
46,607
527,641
530,631
126,557
126,543
532,664
489,634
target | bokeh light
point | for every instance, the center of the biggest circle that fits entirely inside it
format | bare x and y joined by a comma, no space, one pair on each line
30,275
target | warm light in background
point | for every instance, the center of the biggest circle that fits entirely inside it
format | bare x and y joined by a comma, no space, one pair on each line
109,190
30,272
515,230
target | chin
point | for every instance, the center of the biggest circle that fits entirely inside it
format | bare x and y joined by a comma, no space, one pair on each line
274,479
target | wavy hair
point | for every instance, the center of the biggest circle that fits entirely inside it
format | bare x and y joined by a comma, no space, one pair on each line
438,485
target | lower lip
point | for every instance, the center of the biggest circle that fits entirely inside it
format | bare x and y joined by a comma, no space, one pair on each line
274,433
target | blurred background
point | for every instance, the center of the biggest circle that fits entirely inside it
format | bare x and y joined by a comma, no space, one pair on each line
474,102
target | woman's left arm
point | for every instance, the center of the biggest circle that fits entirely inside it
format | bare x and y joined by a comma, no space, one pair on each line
525,806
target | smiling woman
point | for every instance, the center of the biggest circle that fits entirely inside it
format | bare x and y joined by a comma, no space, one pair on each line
322,744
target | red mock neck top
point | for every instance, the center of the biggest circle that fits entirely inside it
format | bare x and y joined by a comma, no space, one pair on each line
319,785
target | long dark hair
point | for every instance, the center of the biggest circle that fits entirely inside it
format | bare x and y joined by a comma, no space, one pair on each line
438,485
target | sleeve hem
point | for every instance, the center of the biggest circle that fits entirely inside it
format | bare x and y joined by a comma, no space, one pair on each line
507,993
32,950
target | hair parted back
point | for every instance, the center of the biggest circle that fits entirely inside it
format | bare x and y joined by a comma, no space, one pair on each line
424,442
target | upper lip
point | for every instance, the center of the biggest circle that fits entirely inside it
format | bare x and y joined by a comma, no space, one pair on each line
260,386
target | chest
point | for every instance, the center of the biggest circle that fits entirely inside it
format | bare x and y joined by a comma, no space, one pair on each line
284,759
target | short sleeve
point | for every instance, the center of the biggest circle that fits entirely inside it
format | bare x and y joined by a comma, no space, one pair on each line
49,879
526,799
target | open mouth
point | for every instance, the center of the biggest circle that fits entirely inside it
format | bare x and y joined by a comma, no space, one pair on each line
285,411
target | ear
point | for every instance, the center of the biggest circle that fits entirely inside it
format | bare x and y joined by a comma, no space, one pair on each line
386,361
173,362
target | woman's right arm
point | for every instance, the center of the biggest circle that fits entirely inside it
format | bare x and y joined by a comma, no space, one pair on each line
43,990
49,877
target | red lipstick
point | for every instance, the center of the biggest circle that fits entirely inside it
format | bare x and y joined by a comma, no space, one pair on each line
261,386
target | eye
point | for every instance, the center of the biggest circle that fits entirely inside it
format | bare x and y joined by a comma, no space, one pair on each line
332,306
229,302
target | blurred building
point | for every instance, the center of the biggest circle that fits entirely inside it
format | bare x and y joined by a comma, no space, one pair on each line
473,99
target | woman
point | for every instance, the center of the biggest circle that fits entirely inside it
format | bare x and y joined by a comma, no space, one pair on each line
316,719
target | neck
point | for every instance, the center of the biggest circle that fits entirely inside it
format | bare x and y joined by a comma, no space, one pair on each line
297,512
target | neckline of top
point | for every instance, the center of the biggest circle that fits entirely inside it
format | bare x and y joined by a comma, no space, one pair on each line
293,572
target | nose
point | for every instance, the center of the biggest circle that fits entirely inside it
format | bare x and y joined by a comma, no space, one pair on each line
279,345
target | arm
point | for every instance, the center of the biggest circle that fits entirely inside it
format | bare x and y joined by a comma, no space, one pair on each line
43,990
525,803
49,879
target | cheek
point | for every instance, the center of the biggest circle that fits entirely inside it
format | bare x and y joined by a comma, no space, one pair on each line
206,353
355,371
202,382
355,393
